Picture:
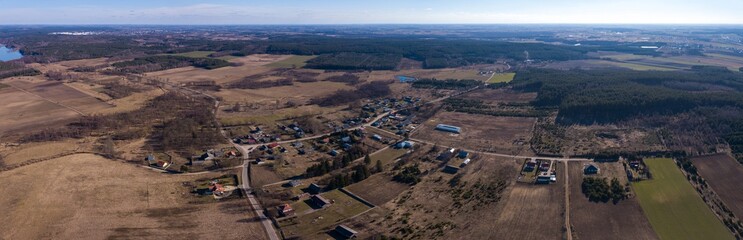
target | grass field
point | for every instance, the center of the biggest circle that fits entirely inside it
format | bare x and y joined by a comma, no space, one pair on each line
326,218
292,62
501,77
388,155
673,207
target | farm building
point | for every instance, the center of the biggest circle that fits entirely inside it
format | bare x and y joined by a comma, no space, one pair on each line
285,210
448,128
545,166
294,183
451,169
544,178
320,201
590,169
345,232
314,188
404,144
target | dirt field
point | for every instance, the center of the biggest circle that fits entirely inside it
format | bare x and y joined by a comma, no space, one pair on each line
479,132
21,110
18,154
88,197
62,94
625,220
250,65
724,175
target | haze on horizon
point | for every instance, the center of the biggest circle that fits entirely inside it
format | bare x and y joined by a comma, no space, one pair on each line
370,12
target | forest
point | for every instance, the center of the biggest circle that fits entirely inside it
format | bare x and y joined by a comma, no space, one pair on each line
355,61
15,69
164,62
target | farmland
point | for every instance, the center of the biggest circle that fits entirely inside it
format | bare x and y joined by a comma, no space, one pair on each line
673,207
624,220
312,224
501,77
723,174
71,197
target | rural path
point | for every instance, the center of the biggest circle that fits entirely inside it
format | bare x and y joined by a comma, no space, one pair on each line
48,100
568,226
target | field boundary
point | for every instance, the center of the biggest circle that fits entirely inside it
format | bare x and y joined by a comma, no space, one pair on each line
357,198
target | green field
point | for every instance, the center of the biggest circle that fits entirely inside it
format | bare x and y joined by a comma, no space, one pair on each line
673,207
501,77
388,155
292,62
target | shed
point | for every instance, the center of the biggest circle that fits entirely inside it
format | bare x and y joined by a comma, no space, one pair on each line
320,201
345,232
151,160
285,210
451,169
377,137
294,183
463,154
404,144
544,178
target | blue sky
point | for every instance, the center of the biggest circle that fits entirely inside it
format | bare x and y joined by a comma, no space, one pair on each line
368,11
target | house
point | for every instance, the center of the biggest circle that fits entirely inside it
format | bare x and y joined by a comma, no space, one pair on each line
273,145
333,153
217,189
345,232
346,139
314,188
325,140
285,210
544,178
545,166
320,201
589,169
151,160
444,156
451,169
346,146
448,128
301,152
463,154
162,164
530,165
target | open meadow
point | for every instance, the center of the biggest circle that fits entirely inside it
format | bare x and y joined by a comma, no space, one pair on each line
674,209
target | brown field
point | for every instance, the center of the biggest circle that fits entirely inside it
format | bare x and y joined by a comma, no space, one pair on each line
624,220
30,151
479,132
62,94
724,175
21,111
250,65
88,197
378,189
299,92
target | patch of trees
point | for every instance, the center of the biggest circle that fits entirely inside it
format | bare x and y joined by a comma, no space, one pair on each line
59,75
374,89
346,78
326,166
599,190
164,62
352,61
16,69
408,174
358,174
445,84
606,96
472,106
252,83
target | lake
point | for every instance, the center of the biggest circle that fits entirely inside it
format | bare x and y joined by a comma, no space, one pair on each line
7,54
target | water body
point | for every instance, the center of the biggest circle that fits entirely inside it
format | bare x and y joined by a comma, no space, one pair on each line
7,54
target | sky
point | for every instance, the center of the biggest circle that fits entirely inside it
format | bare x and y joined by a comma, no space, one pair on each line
370,11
